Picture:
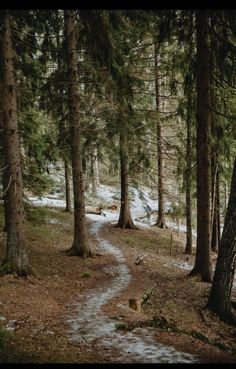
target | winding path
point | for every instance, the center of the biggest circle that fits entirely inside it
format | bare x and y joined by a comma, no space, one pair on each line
90,326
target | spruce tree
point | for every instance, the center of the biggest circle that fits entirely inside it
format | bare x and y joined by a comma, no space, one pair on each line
220,293
202,266
16,260
80,244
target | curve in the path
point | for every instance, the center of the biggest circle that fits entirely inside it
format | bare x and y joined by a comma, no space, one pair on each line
91,326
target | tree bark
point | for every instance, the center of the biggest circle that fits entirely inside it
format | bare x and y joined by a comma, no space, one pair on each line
5,178
161,208
3,164
125,219
215,240
188,177
202,266
214,159
16,260
62,138
214,203
67,185
80,245
219,298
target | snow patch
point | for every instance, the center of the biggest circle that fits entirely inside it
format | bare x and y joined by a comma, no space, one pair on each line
46,201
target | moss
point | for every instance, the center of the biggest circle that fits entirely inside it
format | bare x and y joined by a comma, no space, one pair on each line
37,215
209,341
121,326
86,275
6,268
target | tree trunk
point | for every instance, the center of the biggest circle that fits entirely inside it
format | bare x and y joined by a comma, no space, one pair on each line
218,207
188,177
80,244
3,164
161,208
125,219
63,144
202,265
214,158
16,260
219,298
214,203
225,197
215,238
5,178
67,183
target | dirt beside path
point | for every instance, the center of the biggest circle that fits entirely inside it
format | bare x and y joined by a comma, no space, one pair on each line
36,309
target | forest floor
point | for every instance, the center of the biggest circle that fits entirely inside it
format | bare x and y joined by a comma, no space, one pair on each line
35,309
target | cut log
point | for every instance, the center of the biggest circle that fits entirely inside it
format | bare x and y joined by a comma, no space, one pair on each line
93,210
112,207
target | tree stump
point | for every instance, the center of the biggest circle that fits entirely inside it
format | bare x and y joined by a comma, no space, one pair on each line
135,304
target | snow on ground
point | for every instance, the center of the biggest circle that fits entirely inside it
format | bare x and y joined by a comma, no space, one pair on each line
47,201
180,264
142,203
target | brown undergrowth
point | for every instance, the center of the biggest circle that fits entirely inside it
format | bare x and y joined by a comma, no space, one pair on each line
36,307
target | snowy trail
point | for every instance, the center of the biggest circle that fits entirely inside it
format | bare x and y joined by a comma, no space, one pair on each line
90,325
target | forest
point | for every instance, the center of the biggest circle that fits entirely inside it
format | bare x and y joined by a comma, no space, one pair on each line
118,186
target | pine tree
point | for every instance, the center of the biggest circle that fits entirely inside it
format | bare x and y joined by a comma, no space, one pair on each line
188,177
202,266
220,293
80,243
161,208
16,260
125,219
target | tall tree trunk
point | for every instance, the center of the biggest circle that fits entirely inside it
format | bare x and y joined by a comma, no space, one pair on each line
67,185
214,157
161,208
5,178
214,203
64,155
80,244
125,219
16,260
62,136
215,238
202,265
225,197
3,164
188,180
219,298
218,225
